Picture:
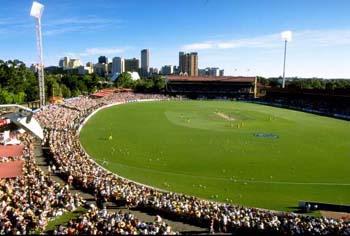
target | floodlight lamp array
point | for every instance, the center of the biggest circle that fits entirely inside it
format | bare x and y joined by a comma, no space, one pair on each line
37,10
287,35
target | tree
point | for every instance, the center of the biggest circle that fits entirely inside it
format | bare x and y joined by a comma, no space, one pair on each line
125,81
5,97
65,91
19,98
76,92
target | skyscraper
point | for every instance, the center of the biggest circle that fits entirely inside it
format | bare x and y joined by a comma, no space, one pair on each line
214,71
193,65
144,62
182,62
118,65
132,65
73,63
63,63
101,69
167,70
103,59
188,63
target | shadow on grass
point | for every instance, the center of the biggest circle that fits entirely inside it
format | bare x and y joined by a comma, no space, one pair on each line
299,210
64,219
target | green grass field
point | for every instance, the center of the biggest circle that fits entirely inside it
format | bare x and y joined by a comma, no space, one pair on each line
236,152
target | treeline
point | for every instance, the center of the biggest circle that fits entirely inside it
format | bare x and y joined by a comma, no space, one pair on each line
152,84
72,85
19,84
307,83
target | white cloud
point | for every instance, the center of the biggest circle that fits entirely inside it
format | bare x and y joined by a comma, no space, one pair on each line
5,21
332,37
311,53
89,52
82,21
197,46
102,51
12,25
61,31
74,24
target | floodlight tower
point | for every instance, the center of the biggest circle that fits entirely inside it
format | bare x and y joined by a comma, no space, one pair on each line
36,12
286,36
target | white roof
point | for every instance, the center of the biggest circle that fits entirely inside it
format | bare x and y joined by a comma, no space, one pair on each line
134,75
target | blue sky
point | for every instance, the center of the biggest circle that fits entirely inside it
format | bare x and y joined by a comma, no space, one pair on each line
242,37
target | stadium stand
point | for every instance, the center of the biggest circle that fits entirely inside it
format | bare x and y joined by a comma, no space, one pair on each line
334,103
102,93
11,152
212,87
102,222
29,198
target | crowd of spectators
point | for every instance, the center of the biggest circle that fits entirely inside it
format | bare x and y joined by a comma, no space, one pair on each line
10,159
29,201
62,137
102,222
336,108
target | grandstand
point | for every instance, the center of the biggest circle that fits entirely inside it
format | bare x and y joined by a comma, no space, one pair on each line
335,103
211,87
102,93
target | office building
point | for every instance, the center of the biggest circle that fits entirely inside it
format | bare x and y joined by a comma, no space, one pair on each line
202,72
144,62
118,65
63,63
167,70
35,68
213,71
188,63
153,71
101,69
132,65
176,70
103,59
90,64
73,64
109,68
89,67
83,70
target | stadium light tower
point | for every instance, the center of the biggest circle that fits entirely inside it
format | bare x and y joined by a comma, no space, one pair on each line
287,37
36,12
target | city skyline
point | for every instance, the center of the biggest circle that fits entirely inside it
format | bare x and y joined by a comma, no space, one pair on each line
241,38
187,65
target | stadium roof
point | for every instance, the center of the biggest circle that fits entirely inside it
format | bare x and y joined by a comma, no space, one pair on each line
11,150
103,93
11,169
211,78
